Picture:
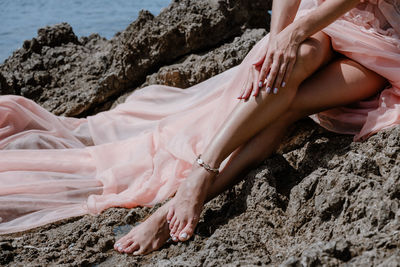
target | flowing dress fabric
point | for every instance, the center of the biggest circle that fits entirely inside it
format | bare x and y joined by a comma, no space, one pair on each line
370,35
137,154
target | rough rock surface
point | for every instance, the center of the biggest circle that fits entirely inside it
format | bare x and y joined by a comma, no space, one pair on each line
196,68
322,200
71,77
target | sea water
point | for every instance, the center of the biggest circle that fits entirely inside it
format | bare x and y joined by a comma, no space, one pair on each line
20,19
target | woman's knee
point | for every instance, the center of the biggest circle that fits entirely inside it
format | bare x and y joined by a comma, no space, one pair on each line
311,55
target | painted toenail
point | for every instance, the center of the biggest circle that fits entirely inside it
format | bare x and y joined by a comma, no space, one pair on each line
120,249
184,236
168,221
175,238
119,244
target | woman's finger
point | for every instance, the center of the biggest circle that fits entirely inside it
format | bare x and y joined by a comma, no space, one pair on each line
240,94
288,71
265,69
272,76
247,87
248,90
259,62
256,86
279,77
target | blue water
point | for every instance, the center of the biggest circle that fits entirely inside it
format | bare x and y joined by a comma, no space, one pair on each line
20,19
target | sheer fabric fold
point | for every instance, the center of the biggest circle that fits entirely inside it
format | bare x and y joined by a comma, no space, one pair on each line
137,154
370,35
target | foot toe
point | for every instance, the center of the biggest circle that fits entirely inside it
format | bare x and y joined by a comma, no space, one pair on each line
180,228
125,245
183,236
133,247
170,214
175,227
116,245
119,245
186,232
172,223
119,242
139,252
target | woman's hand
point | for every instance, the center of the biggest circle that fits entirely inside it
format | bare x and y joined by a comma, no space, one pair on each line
279,60
251,84
273,69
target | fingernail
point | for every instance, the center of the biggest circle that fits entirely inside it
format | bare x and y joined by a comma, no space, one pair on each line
268,90
184,236
260,84
283,84
275,91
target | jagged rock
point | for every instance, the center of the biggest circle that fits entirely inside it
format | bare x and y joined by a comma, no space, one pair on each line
196,68
73,77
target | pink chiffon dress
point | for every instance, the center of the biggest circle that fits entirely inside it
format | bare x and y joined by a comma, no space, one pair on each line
137,154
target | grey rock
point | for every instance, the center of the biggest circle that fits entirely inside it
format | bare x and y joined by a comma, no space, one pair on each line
79,75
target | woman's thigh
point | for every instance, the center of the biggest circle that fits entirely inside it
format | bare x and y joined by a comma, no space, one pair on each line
341,82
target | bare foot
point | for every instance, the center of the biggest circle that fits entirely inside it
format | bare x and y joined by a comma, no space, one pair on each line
148,236
186,206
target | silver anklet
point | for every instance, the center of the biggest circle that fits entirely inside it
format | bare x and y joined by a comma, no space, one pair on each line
206,166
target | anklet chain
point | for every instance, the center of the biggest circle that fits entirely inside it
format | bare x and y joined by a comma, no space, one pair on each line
206,166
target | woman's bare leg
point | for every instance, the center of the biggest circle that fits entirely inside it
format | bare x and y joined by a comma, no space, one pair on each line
152,234
339,83
245,121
